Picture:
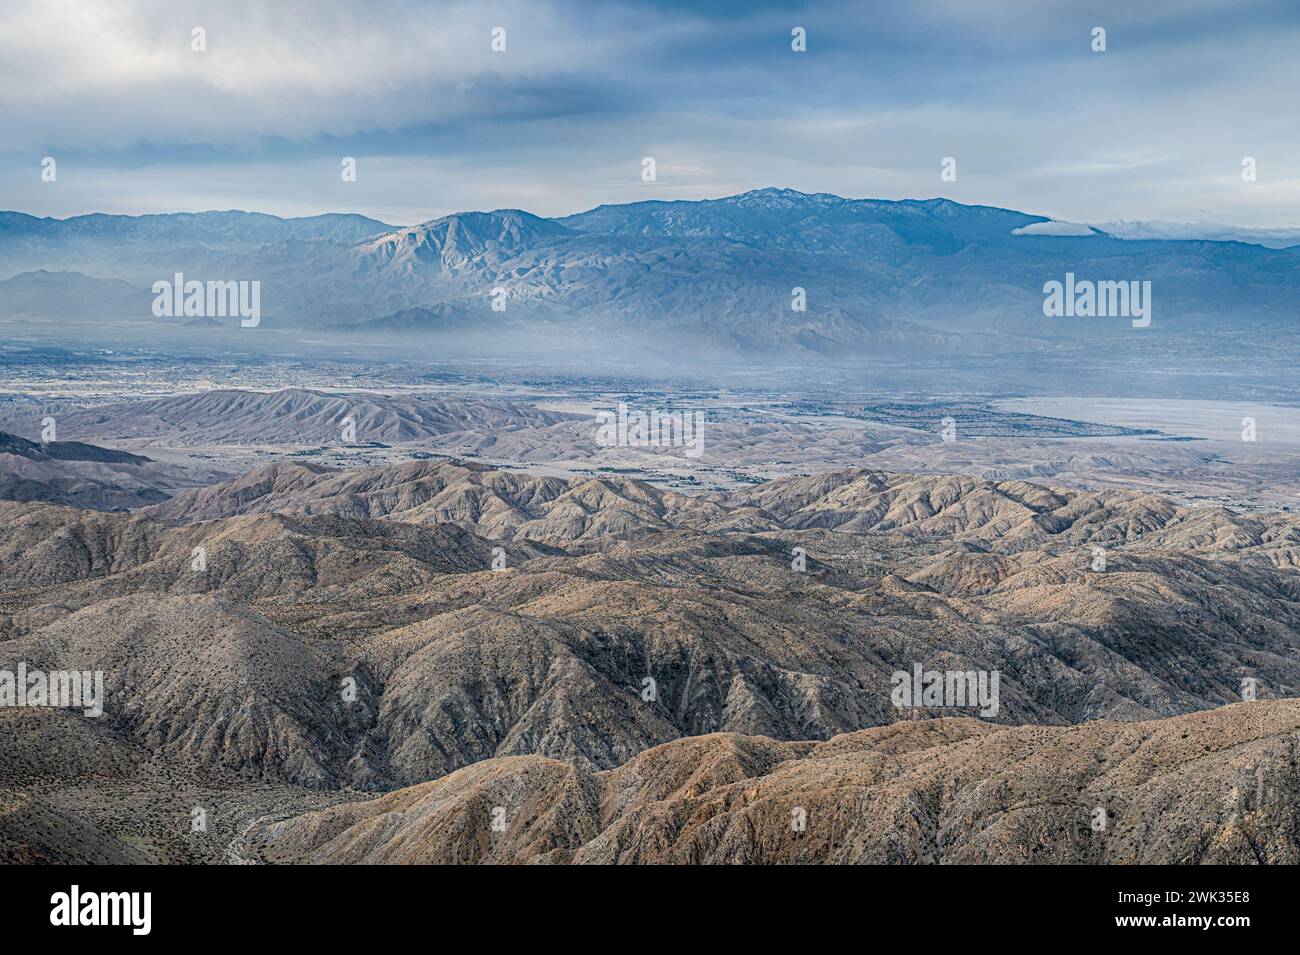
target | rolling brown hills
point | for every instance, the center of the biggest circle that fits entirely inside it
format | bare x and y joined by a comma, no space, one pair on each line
1214,787
290,416
86,475
393,629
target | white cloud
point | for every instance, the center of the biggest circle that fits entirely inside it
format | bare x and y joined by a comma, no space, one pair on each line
93,75
1052,227
1155,128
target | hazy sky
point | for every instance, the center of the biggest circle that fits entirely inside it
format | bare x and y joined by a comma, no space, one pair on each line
1154,128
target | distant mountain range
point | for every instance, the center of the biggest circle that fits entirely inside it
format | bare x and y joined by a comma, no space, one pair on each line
720,274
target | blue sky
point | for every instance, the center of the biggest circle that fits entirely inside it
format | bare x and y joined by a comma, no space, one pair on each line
1155,128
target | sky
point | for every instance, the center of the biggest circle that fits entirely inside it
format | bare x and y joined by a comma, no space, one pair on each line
1154,129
